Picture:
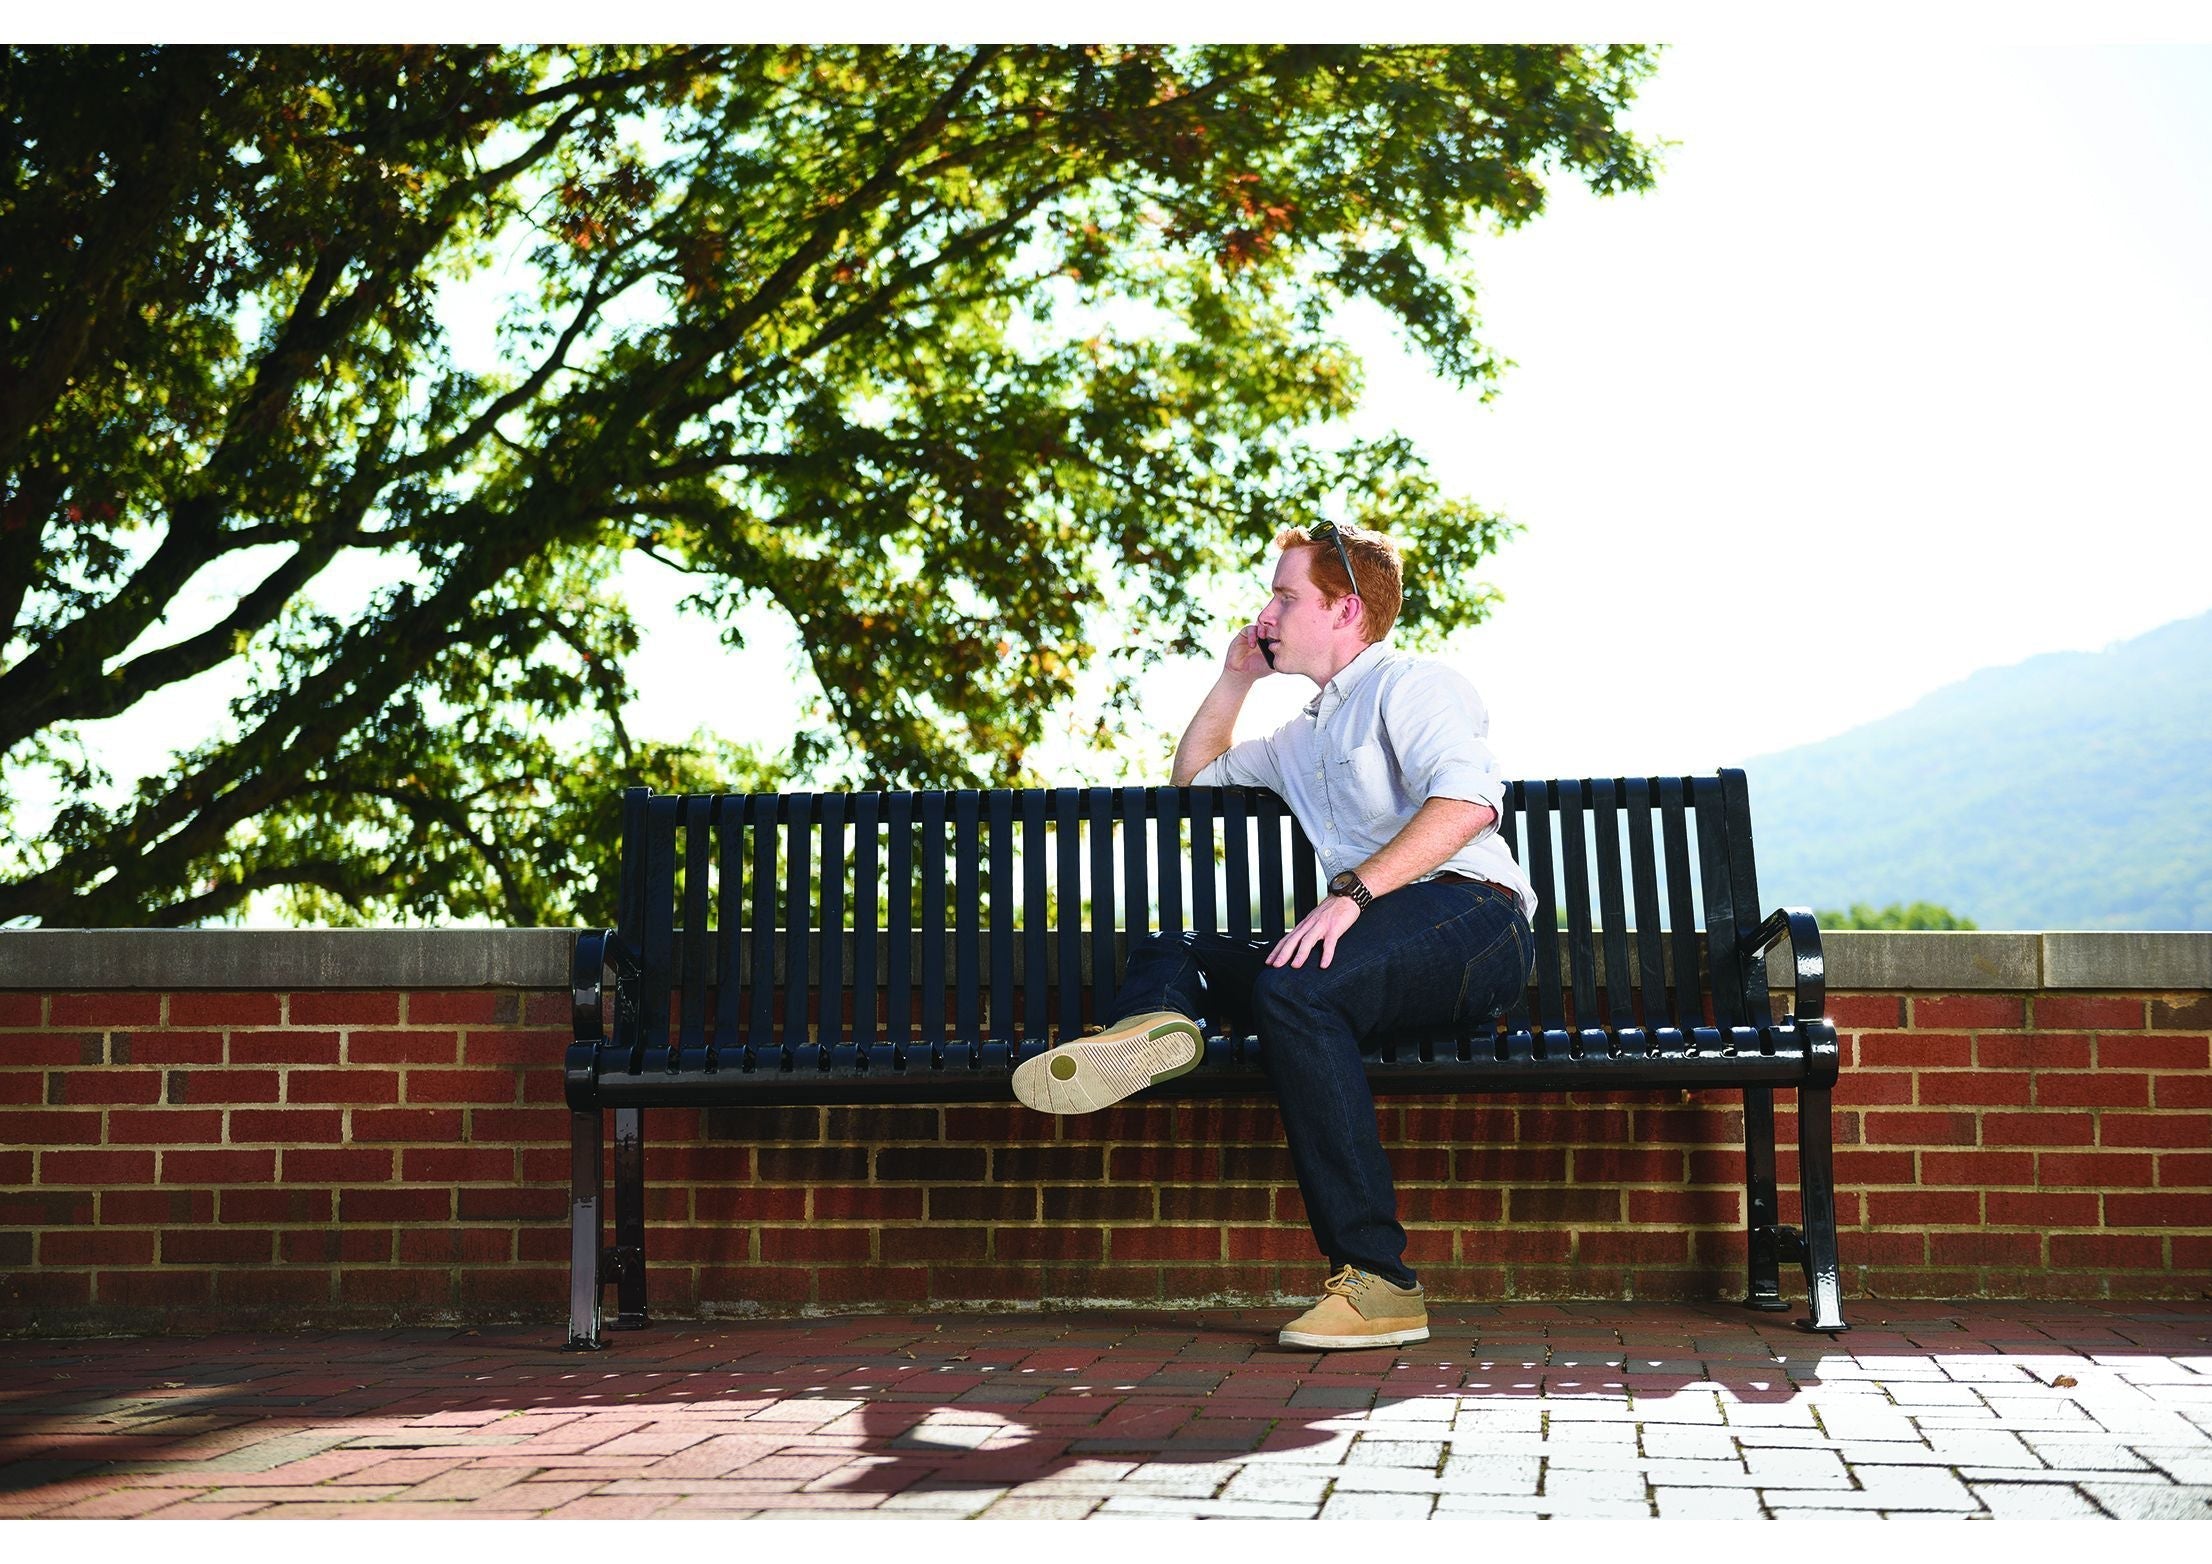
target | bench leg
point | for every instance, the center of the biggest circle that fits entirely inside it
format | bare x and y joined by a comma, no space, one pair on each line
586,1180
1760,1202
629,1218
1817,1190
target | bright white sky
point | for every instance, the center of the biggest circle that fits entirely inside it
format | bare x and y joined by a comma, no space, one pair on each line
1898,373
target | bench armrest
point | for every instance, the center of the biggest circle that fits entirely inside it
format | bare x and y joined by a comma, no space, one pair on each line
1804,937
598,952
595,954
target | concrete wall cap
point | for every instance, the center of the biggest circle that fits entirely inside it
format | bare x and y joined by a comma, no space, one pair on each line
1876,959
2120,960
64,960
71,959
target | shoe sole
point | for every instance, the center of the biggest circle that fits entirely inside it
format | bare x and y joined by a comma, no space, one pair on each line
1389,1338
1097,1072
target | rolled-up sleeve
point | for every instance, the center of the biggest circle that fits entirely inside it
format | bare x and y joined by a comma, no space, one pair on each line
1439,730
1250,764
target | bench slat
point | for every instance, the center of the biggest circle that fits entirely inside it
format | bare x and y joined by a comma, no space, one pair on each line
1605,826
798,867
1171,864
630,907
1744,887
1651,962
760,813
1305,872
1537,814
1236,838
1136,888
967,917
1510,828
1205,909
898,901
867,895
931,867
691,1026
658,944
1574,852
1724,980
1036,920
1684,1009
1099,806
1068,839
829,1026
1000,1026
1270,816
729,925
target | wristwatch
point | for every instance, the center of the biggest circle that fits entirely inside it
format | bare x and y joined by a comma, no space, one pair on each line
1350,884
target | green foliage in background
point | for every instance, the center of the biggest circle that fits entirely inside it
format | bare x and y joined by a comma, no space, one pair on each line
1897,915
943,353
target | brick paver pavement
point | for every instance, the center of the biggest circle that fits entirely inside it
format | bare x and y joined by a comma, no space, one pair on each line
1998,1410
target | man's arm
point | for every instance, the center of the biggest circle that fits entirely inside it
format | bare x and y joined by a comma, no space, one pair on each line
1210,732
1438,829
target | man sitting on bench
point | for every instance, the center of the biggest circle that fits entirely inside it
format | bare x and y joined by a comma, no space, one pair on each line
1425,924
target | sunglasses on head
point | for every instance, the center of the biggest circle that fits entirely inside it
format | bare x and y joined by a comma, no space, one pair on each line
1327,530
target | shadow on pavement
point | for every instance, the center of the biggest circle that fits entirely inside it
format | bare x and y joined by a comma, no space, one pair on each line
689,1418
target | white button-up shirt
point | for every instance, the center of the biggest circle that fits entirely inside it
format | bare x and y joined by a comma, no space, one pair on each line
1383,737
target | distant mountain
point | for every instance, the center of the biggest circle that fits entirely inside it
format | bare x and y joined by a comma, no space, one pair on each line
2070,791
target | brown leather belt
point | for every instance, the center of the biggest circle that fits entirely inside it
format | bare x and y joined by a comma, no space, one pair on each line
1464,879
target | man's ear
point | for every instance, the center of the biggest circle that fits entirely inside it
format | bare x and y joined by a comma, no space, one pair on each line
1347,610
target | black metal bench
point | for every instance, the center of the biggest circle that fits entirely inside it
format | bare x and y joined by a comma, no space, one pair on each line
915,947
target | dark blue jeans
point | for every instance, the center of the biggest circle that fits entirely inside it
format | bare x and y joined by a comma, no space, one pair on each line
1427,956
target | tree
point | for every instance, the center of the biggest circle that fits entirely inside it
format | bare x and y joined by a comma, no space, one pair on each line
942,352
1897,915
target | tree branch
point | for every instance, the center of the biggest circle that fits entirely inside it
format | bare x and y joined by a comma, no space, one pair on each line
161,836
343,878
810,251
499,407
453,816
22,540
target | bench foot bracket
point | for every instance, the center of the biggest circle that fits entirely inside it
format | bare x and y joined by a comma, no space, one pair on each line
1823,1271
585,1260
1763,1288
628,1274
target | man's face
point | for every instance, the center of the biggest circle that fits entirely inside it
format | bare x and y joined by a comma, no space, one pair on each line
1299,622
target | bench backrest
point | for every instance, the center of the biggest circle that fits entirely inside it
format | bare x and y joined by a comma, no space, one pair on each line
868,918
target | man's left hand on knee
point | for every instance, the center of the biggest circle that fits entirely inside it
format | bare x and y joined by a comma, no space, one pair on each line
1322,927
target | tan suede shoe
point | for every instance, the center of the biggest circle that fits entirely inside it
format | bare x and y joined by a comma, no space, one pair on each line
1361,1310
1095,1072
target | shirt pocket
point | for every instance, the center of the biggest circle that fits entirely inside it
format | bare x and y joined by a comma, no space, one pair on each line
1368,791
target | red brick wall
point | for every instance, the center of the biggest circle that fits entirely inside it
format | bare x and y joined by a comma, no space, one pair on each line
193,1159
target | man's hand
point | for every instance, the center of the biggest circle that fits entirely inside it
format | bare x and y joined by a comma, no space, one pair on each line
1245,661
1323,926
1208,735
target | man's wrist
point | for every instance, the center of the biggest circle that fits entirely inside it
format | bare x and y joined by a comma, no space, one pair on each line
1351,887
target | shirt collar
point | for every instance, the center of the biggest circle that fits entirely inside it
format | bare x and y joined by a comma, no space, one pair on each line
1347,679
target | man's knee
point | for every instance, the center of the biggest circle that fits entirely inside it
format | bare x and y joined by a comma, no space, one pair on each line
1165,940
1292,994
